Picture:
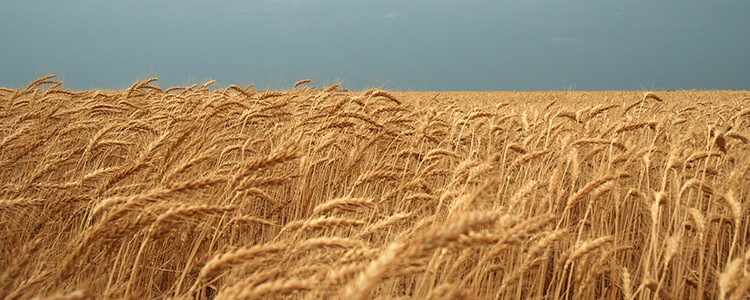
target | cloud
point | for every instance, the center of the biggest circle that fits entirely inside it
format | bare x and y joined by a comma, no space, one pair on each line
391,15
563,40
286,6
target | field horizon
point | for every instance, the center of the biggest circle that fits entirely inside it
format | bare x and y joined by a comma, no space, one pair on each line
235,193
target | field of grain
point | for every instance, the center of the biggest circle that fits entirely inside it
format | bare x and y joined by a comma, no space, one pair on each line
319,194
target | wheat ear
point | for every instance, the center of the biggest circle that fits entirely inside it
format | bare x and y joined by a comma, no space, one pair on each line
221,262
588,247
14,269
302,82
588,188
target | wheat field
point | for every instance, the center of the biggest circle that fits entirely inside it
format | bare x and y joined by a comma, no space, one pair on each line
309,193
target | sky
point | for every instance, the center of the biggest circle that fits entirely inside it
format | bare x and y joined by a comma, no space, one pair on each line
403,45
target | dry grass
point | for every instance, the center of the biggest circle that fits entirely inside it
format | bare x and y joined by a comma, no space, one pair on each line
320,194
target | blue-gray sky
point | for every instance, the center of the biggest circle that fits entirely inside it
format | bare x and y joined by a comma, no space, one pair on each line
395,44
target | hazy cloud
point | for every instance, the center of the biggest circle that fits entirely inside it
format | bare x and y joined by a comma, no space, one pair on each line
285,6
563,40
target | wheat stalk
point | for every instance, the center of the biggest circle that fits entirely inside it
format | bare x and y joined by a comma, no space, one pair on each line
627,285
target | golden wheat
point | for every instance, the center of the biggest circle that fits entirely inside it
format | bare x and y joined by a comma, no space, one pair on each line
190,193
